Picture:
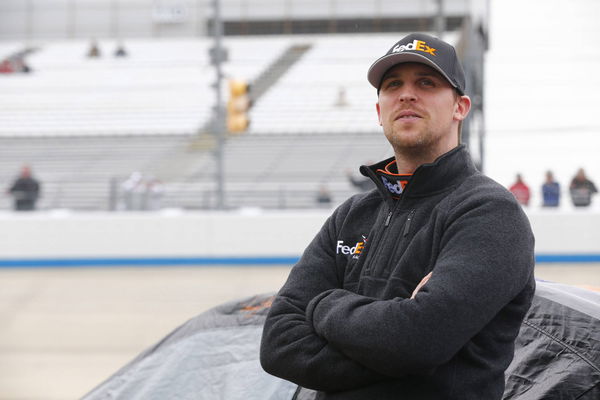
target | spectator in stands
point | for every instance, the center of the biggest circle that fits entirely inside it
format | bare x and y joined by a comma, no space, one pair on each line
342,100
323,196
6,67
412,291
520,190
133,192
550,191
23,66
155,192
94,50
582,189
120,50
14,64
361,183
25,190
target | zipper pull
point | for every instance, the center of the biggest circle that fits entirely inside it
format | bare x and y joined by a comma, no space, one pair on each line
408,221
387,220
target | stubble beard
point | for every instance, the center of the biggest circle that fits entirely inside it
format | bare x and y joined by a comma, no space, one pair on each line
417,146
420,144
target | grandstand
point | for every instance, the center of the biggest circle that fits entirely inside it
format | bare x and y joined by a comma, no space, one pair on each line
84,123
160,88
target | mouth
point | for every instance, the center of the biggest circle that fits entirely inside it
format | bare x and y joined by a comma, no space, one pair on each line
407,115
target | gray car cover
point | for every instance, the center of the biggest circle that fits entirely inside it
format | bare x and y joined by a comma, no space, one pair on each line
212,356
557,352
215,355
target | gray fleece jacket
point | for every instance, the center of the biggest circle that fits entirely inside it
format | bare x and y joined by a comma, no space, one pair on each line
344,323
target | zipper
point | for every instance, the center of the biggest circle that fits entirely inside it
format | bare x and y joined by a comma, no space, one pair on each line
408,221
375,251
389,217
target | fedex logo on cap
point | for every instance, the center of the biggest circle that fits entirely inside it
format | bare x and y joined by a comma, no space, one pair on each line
418,45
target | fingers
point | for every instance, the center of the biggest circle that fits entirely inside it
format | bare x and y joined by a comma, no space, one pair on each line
420,285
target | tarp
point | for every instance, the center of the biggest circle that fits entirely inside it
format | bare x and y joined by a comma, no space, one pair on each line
212,356
557,352
215,355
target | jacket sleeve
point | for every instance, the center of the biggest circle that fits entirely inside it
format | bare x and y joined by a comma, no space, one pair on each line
290,348
485,261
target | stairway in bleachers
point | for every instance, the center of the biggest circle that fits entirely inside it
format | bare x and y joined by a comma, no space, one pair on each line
277,69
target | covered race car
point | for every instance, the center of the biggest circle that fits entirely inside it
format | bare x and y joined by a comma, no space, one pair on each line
212,356
215,355
557,354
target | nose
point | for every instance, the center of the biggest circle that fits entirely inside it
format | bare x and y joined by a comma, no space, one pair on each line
407,94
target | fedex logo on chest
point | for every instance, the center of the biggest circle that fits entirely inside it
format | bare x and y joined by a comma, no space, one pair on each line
354,250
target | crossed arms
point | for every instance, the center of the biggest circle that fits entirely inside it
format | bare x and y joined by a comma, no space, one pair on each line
324,337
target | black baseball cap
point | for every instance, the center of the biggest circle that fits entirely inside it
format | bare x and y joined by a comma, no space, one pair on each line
424,49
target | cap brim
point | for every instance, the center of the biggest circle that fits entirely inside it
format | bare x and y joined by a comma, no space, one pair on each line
386,62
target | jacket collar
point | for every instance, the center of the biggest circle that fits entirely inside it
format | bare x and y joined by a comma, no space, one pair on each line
445,172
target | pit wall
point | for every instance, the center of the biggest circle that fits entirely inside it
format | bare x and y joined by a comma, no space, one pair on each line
172,237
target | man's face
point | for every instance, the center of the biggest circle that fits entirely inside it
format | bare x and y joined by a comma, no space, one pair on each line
419,110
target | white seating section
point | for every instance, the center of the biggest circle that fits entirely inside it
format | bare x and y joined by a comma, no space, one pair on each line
304,101
82,122
162,87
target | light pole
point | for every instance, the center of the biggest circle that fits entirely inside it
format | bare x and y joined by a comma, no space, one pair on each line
217,56
440,20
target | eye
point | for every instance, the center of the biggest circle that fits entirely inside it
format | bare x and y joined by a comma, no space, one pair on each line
426,82
393,83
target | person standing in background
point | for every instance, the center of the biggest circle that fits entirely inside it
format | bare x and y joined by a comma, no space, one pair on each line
25,190
94,49
582,189
323,197
520,190
550,191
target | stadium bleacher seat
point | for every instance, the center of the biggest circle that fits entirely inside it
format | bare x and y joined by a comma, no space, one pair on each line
83,122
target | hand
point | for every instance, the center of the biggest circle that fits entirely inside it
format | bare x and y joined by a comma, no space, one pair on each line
420,285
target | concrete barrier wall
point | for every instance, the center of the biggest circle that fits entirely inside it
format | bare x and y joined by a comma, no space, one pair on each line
165,234
251,236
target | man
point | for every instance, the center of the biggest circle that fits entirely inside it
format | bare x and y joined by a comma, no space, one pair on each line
520,190
582,189
550,191
417,289
25,190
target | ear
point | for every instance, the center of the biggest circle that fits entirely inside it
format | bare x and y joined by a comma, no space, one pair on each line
463,106
378,113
